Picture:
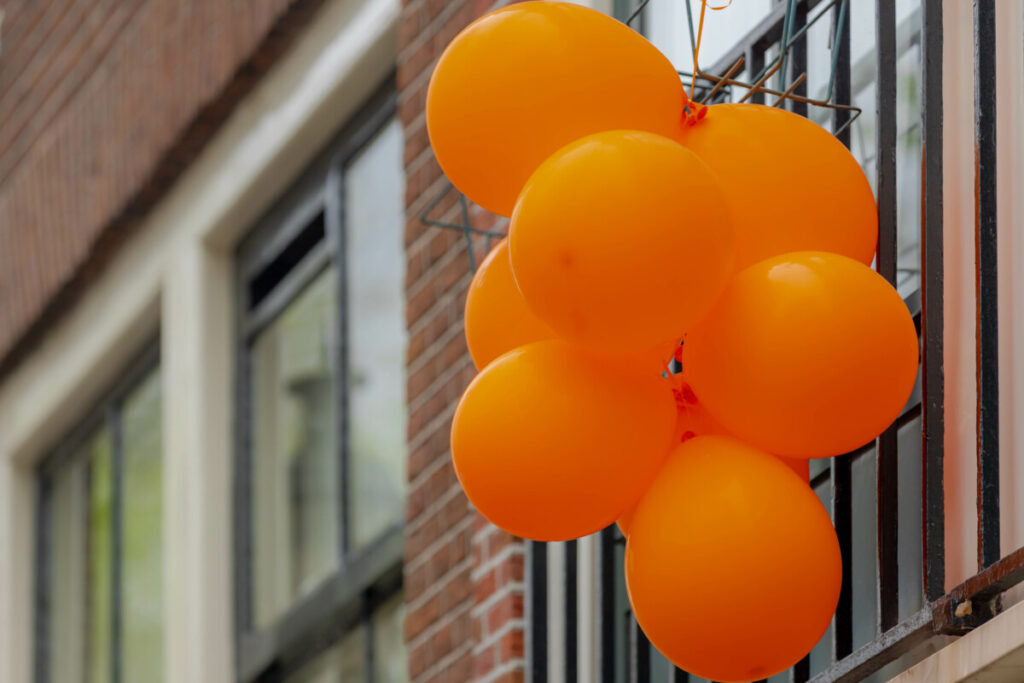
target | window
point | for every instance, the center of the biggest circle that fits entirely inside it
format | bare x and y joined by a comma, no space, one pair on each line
100,543
321,464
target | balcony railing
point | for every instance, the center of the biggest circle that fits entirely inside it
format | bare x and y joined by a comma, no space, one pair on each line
886,499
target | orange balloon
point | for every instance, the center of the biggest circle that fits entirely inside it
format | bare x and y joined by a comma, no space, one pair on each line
620,241
732,566
806,355
552,443
790,184
524,80
497,317
693,420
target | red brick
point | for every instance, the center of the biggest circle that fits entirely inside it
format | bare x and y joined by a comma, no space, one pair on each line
508,607
100,111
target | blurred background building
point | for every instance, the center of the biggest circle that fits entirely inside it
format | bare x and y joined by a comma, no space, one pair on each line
230,349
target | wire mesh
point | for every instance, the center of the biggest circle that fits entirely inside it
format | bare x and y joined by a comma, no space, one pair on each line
712,88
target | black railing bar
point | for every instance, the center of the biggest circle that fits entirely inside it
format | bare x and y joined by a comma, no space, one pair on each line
801,670
842,520
842,484
932,322
537,612
571,550
799,63
606,615
887,468
986,282
641,669
820,478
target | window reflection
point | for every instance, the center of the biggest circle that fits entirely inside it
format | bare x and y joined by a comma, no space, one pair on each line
295,469
374,224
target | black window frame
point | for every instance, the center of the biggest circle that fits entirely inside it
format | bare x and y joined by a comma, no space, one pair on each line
106,412
365,579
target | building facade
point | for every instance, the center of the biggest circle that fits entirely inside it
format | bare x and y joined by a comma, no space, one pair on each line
232,278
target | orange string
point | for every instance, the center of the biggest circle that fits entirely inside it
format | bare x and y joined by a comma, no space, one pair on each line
696,48
700,31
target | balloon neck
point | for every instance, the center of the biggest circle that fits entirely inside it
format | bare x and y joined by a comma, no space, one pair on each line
694,113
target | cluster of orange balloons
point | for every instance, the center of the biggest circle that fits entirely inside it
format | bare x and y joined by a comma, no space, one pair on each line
736,239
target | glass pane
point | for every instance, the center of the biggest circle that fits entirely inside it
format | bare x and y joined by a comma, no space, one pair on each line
389,662
142,601
343,663
101,552
374,225
821,655
294,448
863,556
68,590
909,156
911,582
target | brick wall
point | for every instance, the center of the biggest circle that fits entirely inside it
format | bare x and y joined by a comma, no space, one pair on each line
102,104
463,577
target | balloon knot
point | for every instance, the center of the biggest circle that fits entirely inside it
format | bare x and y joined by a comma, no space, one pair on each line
687,435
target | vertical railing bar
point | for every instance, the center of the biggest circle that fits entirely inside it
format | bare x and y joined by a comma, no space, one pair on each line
606,608
571,613
842,483
798,63
680,676
842,519
801,670
755,64
537,603
841,74
932,319
987,282
641,669
887,473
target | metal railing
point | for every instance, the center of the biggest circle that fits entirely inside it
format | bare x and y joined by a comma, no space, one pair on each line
627,655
